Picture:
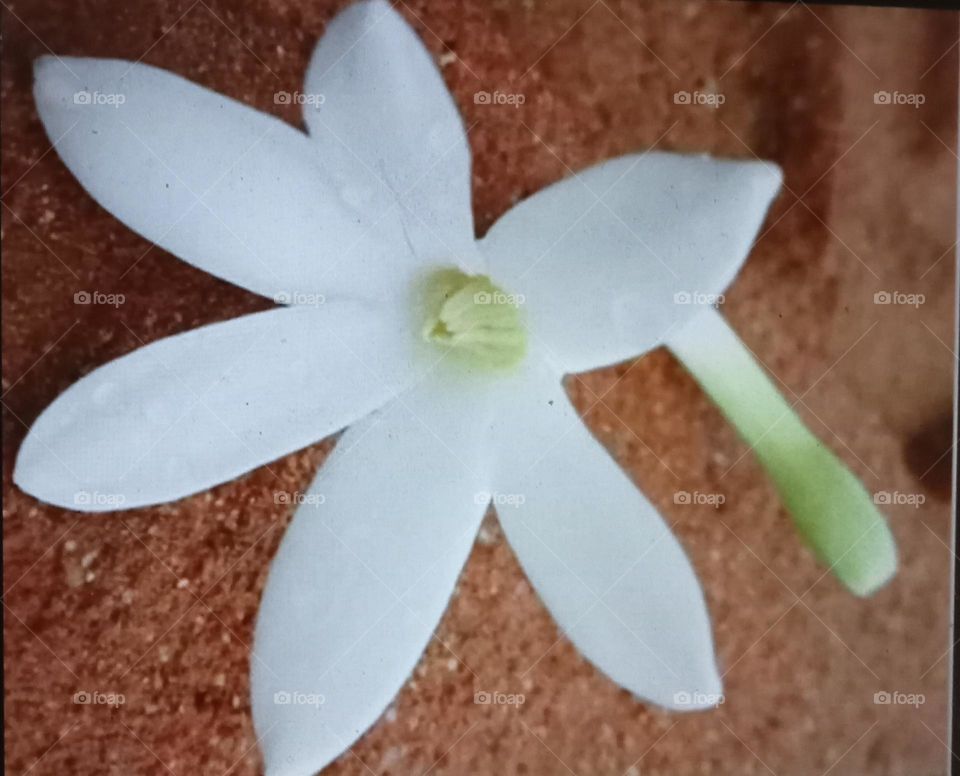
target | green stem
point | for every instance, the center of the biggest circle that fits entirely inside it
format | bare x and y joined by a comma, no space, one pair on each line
831,508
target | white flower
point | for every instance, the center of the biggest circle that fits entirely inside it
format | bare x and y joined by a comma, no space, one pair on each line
442,355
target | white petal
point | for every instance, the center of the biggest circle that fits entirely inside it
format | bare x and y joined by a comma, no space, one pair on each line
194,410
233,191
605,564
388,130
363,575
609,258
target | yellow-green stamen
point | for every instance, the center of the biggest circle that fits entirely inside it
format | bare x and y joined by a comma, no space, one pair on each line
475,319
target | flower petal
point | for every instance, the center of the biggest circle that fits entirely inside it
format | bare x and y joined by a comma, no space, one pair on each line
363,575
389,133
233,191
605,564
612,258
191,411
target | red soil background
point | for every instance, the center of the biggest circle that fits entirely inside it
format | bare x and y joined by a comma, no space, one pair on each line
97,603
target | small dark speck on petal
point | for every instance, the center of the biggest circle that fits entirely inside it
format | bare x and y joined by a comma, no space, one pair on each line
550,402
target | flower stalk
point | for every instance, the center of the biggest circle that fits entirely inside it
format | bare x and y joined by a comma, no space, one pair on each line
831,508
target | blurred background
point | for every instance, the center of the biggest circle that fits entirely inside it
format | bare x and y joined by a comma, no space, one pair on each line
847,298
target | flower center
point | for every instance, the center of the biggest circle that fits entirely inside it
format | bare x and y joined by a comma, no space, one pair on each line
476,320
